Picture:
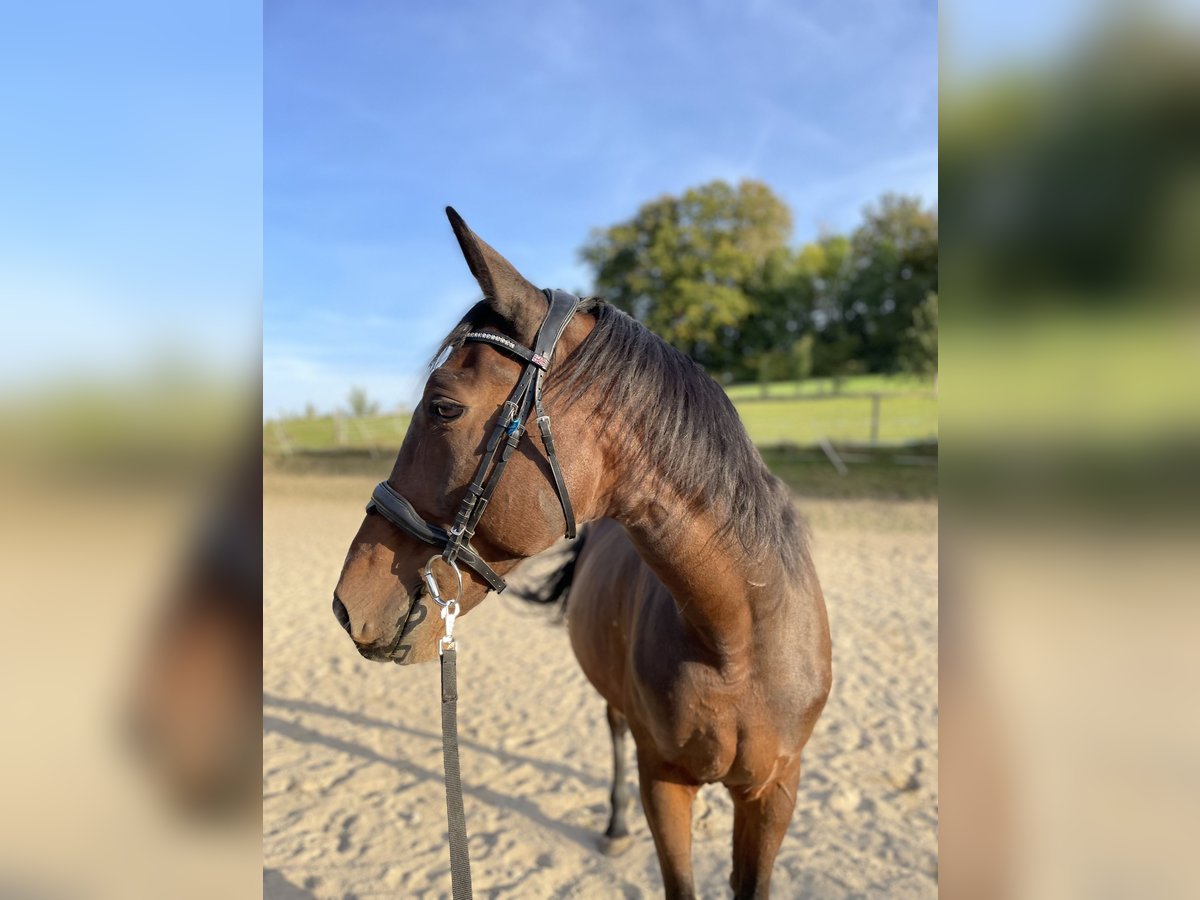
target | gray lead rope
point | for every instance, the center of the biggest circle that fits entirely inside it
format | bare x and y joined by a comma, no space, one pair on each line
456,819
460,860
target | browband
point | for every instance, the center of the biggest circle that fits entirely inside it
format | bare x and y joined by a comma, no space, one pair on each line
507,344
525,398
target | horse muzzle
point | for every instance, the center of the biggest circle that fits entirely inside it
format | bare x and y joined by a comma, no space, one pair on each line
402,646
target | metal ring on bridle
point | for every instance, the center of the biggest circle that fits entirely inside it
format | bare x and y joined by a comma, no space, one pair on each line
431,583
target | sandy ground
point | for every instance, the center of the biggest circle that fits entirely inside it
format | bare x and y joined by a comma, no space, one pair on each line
353,802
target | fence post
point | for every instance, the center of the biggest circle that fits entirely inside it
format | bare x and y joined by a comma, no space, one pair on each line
366,434
876,400
285,446
832,456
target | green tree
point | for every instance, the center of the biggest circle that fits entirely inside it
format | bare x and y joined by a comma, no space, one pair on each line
893,269
711,272
360,404
921,350
1077,185
837,358
814,300
785,362
802,359
691,267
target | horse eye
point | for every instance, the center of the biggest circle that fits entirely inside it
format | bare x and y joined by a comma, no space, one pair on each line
447,410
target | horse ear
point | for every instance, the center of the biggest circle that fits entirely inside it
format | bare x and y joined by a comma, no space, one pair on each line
513,298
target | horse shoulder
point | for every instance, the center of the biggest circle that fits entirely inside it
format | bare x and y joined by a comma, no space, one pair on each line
794,662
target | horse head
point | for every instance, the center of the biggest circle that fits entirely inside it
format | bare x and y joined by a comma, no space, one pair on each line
382,599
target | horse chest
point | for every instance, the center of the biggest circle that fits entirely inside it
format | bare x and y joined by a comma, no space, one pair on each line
698,721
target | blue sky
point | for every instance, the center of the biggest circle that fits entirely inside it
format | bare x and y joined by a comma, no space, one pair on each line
538,122
130,188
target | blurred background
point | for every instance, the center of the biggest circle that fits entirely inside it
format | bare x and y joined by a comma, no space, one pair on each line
1070,164
131,279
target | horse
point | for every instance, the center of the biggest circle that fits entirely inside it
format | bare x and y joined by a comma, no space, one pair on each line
695,609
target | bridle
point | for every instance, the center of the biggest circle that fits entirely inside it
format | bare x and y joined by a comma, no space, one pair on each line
455,542
526,397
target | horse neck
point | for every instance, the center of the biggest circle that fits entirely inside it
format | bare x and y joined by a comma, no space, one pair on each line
724,594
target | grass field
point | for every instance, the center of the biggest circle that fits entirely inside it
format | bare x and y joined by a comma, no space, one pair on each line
844,419
797,415
816,387
320,433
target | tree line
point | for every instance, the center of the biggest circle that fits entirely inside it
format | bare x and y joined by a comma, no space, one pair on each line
713,272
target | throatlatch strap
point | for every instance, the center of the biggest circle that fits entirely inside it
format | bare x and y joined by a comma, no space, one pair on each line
562,308
560,484
456,820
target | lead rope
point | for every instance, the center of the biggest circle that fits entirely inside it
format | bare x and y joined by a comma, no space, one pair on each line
456,819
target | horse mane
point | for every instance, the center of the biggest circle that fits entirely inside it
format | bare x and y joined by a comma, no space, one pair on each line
687,429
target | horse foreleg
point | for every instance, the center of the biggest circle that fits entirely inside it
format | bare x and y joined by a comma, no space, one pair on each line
667,800
760,820
618,831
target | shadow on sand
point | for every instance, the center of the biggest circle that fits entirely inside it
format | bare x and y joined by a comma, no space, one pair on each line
525,807
276,887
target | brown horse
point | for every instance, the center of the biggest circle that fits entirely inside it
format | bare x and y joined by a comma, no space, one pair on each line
694,610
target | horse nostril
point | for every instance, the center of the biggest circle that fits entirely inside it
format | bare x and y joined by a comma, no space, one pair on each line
341,614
